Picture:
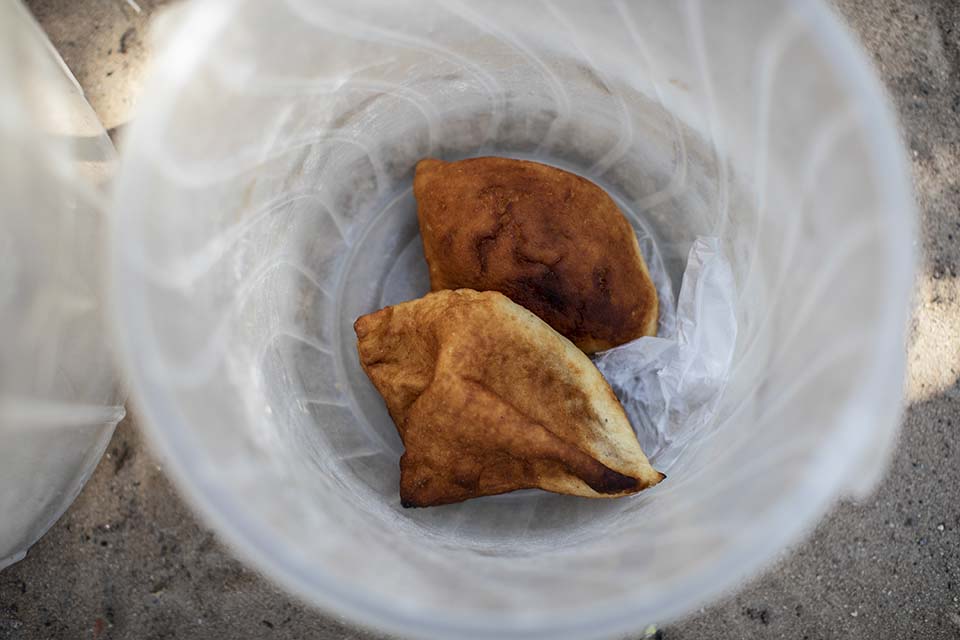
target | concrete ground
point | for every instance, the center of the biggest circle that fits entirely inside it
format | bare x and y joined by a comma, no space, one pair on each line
129,560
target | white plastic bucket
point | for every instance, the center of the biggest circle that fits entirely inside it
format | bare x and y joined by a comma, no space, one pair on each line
59,397
264,203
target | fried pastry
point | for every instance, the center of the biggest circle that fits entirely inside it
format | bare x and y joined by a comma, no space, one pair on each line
551,241
487,399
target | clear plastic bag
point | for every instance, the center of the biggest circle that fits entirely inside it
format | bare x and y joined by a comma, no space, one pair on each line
670,385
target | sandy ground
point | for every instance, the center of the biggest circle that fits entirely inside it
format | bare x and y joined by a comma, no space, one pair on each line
130,561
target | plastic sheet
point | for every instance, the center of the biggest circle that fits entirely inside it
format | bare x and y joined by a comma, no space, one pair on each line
670,385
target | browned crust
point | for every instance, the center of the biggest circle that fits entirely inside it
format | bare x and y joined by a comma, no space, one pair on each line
488,399
550,240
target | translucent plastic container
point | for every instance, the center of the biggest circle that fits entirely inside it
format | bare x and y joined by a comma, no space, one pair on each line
59,398
265,203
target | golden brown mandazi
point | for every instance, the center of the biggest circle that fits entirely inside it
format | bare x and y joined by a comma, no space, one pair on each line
487,399
551,241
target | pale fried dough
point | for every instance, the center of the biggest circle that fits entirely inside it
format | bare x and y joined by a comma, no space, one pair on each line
487,399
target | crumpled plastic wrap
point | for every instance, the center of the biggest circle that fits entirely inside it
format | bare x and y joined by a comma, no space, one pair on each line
670,385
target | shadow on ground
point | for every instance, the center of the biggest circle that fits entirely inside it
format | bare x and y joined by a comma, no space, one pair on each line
885,568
